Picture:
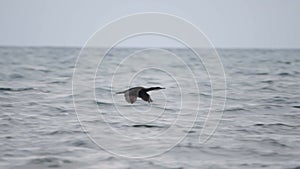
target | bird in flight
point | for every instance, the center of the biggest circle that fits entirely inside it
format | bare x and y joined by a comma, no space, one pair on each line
133,93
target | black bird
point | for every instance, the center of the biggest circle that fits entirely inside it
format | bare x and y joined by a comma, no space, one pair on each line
133,93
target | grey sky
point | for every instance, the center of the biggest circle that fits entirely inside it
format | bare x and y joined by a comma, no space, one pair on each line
227,23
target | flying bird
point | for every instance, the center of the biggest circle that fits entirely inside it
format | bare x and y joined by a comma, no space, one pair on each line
133,93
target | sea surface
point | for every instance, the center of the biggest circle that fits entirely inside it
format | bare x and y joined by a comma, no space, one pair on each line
49,119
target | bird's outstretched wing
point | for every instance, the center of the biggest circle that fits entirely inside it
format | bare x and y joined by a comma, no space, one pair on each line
132,94
130,98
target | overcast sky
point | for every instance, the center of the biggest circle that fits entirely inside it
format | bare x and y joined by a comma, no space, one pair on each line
227,23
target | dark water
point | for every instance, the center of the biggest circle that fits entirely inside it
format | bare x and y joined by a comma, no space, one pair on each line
39,128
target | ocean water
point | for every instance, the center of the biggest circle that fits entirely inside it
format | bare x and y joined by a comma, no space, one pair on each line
48,120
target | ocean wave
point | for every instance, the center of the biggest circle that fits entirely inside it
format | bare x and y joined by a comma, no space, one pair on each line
273,142
297,167
235,109
103,102
268,81
146,126
52,162
284,62
36,68
285,74
262,73
16,76
276,124
60,132
15,89
267,88
79,143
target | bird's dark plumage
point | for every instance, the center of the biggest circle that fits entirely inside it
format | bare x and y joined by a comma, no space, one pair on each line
133,93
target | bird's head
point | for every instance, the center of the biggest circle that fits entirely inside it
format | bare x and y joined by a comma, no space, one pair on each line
158,88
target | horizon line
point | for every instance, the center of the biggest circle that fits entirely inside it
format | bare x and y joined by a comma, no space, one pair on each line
138,47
